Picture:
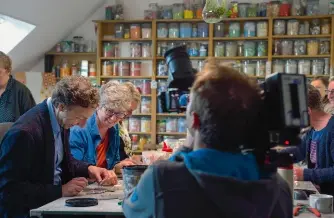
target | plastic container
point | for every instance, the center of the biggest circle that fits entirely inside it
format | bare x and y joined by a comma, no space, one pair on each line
173,30
132,175
278,66
178,11
262,29
299,47
162,30
325,26
234,29
286,47
119,31
293,27
304,67
279,27
249,29
312,47
231,49
202,30
185,30
145,105
135,50
260,68
219,49
291,67
145,124
134,124
146,31
146,50
249,49
242,9
124,68
135,68
135,31
313,7
262,48
171,124
219,30
318,67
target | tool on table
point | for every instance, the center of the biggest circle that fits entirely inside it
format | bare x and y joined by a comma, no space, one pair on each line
303,207
81,202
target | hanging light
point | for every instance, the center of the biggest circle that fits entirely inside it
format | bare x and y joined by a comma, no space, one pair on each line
213,11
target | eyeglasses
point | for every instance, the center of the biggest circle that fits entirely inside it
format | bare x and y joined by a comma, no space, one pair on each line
329,92
118,115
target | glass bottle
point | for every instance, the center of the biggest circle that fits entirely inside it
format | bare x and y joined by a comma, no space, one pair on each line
213,11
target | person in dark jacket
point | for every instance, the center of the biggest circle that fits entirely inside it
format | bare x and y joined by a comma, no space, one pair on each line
316,146
217,178
36,166
15,97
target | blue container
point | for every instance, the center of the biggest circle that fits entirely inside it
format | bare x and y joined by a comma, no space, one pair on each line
202,30
194,32
250,29
185,30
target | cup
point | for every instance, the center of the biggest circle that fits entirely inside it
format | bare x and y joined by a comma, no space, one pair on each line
323,203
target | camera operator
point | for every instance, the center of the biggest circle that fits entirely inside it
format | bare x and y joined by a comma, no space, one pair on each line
216,179
316,146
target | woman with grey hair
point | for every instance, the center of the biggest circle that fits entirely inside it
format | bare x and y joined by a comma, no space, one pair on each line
98,142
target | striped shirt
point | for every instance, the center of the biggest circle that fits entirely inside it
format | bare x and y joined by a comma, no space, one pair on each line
316,136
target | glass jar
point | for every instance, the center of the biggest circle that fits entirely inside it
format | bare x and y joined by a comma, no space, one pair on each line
185,30
105,68
312,47
167,12
299,47
277,47
162,30
260,68
297,8
161,125
249,29
327,66
171,45
107,50
202,30
171,124
251,10
234,29
242,9
315,27
262,48
262,28
193,49
287,47
145,105
325,27
240,49
317,67
119,31
135,68
313,7
219,29
324,47
115,68
304,28
135,31
231,49
163,49
249,49
178,11
135,50
304,67
262,9
203,51
331,7
124,68
219,49
134,124
291,66
284,10
194,31
162,69
146,31
248,68
181,125
293,27
173,30
198,11
275,8
278,66
200,65
188,12
279,27
154,8
145,124
146,50
146,88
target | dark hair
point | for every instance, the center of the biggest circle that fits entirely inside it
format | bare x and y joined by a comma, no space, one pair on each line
314,98
323,79
75,91
228,104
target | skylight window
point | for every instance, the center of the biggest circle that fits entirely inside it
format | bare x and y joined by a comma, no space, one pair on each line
12,32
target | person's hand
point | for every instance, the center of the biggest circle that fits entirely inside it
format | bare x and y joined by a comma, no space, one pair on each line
74,187
123,163
101,175
112,179
298,174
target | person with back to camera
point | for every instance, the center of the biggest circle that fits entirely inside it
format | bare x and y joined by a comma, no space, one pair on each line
316,146
217,178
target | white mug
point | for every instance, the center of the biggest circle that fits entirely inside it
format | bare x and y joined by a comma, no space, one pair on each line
323,203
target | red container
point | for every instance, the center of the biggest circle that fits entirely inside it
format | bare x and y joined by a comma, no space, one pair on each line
135,68
146,90
284,10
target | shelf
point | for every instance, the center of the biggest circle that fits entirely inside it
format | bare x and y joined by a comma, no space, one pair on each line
123,21
301,36
171,115
145,95
191,58
124,58
142,114
245,18
126,77
71,53
312,76
161,77
126,40
300,56
172,133
239,38
179,20
242,58
139,133
303,17
182,39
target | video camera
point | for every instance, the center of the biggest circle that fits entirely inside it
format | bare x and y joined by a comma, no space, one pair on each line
285,110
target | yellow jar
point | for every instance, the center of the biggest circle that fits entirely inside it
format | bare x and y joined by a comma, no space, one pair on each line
188,14
312,47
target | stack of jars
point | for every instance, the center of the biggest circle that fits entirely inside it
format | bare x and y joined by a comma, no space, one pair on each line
111,49
172,124
243,49
307,67
138,50
301,47
253,68
183,30
299,27
137,124
134,31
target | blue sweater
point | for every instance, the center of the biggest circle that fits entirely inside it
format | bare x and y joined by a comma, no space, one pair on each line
324,171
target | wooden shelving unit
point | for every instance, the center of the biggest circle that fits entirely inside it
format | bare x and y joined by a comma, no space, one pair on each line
105,28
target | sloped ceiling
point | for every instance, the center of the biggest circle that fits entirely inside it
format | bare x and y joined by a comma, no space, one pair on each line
54,20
